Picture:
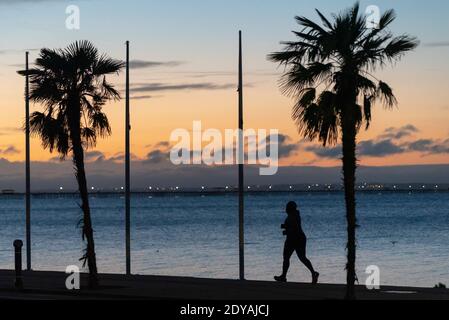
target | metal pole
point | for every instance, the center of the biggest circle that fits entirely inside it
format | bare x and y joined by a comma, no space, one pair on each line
127,170
27,165
241,163
18,284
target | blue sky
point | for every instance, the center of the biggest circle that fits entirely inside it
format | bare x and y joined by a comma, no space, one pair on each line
170,28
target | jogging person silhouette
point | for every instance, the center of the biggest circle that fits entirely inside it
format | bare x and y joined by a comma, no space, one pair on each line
296,241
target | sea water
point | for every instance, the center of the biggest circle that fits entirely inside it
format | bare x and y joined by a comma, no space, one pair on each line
405,234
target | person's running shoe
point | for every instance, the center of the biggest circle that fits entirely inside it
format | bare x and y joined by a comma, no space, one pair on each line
280,278
315,277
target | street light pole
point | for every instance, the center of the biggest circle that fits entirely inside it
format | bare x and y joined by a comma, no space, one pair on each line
241,160
127,169
27,165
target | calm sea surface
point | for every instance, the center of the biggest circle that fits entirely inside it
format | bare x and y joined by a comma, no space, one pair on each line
405,235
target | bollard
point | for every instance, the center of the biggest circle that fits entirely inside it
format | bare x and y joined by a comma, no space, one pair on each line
18,244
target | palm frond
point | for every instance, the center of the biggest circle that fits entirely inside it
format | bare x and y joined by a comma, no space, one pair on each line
385,93
105,65
89,137
400,45
325,21
338,58
100,124
367,110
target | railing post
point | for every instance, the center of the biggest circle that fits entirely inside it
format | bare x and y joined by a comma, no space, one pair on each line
18,244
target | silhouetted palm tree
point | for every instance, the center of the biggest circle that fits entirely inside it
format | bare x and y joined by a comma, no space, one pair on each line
329,73
71,84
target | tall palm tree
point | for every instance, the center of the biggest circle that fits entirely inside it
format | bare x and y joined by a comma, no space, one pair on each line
329,74
71,84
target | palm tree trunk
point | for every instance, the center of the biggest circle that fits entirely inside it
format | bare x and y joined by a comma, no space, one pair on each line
349,169
80,174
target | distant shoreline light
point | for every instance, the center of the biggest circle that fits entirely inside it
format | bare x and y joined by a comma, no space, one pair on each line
251,188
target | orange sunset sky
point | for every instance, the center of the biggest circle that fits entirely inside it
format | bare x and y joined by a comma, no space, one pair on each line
186,69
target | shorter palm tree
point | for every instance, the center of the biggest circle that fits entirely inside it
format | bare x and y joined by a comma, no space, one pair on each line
71,84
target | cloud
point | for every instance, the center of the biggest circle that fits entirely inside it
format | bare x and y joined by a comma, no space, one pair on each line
399,133
55,159
438,44
9,130
97,156
21,66
120,157
286,150
381,148
322,152
368,148
157,170
165,144
10,150
429,146
420,145
223,73
155,87
285,147
94,155
387,144
161,150
143,97
157,156
206,74
142,64
7,51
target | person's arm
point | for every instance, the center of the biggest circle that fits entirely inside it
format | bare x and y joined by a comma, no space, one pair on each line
284,227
